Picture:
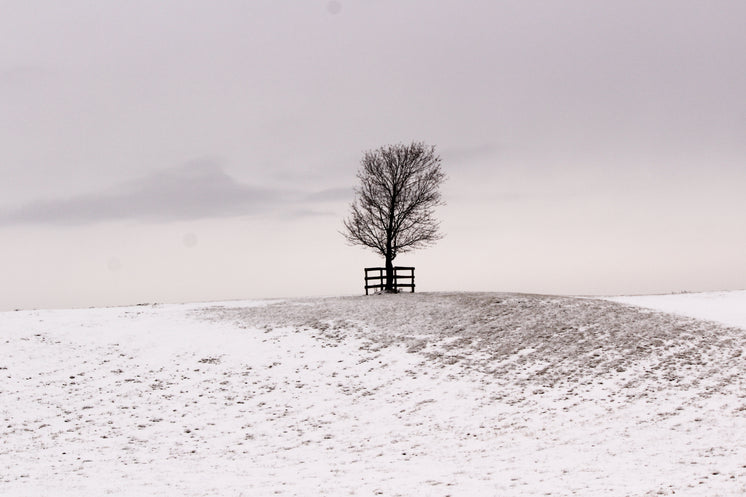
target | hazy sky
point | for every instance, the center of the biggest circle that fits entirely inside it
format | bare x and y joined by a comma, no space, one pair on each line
179,151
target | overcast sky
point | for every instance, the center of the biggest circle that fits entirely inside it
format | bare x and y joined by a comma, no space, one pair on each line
178,150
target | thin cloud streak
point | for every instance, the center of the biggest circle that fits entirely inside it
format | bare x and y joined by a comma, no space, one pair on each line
331,195
193,191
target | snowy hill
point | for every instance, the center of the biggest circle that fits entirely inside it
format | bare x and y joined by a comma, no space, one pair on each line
411,394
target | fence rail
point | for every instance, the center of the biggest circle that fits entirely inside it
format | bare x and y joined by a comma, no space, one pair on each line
400,273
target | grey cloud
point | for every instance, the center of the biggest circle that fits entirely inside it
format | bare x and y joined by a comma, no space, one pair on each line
306,213
196,190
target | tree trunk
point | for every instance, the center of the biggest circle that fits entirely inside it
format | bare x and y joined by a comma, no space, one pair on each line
389,273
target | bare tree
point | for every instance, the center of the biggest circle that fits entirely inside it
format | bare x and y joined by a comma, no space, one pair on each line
393,208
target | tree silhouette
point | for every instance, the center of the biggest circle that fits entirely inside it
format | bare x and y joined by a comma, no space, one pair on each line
393,208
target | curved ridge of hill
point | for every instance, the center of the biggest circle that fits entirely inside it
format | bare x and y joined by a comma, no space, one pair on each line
531,340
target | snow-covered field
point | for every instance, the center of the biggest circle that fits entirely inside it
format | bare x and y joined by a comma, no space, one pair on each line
411,394
724,307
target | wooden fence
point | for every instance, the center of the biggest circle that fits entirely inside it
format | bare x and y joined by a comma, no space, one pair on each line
400,273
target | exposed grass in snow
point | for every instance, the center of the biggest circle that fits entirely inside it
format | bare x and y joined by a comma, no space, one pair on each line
410,394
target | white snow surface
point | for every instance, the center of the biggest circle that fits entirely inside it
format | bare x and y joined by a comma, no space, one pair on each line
724,307
394,395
